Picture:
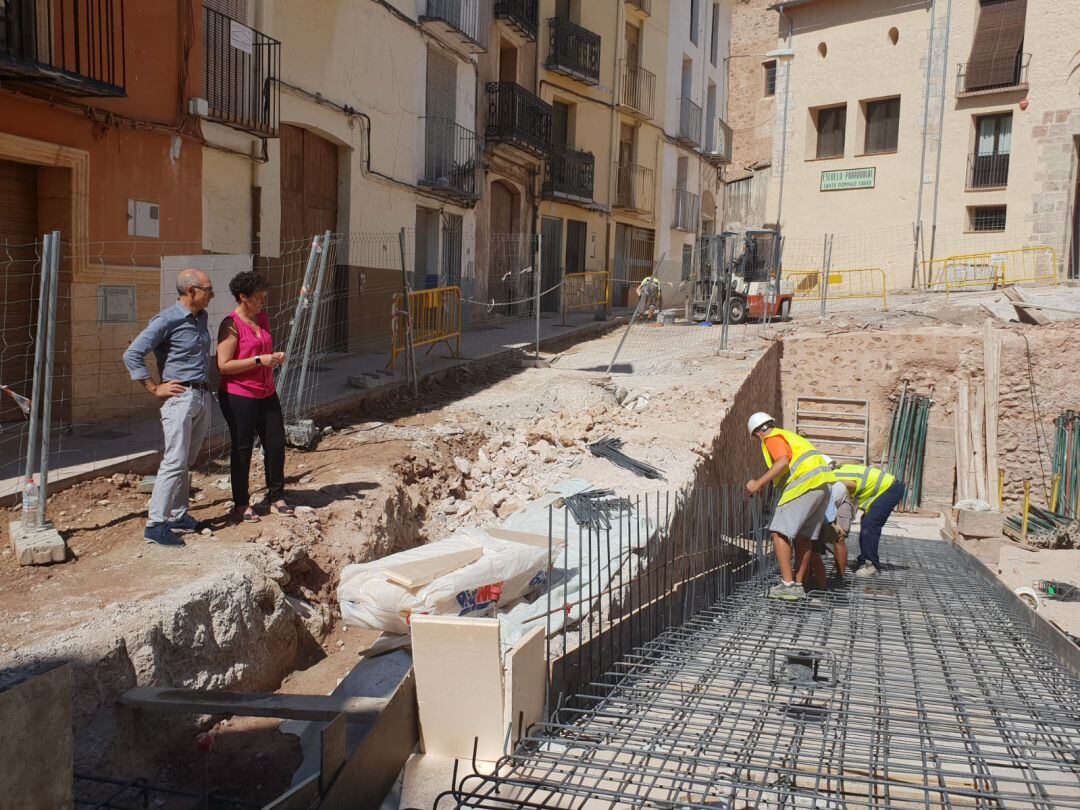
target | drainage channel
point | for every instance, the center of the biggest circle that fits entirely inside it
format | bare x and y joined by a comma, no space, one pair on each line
920,689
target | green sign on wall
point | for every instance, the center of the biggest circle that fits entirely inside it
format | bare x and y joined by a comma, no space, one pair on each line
843,179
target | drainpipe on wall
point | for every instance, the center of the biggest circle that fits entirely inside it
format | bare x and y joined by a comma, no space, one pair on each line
613,148
941,126
783,134
926,130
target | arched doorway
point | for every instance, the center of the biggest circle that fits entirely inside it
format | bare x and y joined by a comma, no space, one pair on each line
508,251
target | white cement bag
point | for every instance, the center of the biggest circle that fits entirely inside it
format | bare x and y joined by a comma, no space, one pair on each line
505,572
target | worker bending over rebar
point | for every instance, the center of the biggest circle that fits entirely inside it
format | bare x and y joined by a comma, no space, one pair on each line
803,476
877,493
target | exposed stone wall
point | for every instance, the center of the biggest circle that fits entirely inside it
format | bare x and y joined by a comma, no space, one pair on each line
750,113
1055,139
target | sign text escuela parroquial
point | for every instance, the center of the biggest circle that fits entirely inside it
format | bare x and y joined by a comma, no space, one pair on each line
842,179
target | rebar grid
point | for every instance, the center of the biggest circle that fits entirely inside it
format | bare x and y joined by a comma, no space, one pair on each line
928,693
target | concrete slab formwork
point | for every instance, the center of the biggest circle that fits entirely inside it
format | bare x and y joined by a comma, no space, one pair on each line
923,688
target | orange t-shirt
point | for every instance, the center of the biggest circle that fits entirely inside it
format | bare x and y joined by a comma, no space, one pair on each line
778,447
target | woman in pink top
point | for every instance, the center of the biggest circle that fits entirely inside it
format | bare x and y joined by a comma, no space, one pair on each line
249,401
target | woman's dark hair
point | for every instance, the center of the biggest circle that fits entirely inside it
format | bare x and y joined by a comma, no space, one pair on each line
247,283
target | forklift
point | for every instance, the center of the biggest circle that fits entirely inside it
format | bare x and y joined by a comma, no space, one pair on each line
739,271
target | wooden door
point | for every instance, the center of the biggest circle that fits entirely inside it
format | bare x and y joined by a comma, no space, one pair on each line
19,274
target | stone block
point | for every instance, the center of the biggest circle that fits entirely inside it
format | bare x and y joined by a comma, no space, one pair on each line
37,740
971,523
36,546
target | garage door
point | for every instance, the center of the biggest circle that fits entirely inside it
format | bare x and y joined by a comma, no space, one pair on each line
18,280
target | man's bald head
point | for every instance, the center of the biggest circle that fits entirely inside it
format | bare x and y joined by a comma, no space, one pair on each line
194,288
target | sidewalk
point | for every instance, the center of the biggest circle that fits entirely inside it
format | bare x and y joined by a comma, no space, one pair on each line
97,450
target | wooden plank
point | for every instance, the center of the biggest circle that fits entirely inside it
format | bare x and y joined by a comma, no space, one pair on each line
252,704
964,489
992,374
459,685
332,750
529,539
418,573
1019,298
978,462
368,775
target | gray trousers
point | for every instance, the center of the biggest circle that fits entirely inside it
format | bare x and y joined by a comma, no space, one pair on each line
185,420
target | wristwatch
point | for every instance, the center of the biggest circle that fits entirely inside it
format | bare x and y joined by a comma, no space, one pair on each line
258,360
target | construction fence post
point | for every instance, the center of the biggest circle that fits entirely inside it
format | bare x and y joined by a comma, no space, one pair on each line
406,293
39,365
310,338
298,314
536,288
46,404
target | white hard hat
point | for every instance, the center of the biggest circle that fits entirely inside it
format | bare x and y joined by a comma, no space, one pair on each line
757,420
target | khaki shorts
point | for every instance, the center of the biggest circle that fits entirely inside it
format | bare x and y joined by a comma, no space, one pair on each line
803,516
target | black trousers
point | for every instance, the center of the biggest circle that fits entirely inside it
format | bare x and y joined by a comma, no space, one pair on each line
248,417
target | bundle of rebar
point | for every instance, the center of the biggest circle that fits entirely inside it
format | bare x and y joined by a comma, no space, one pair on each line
593,508
905,449
1044,528
1065,498
611,449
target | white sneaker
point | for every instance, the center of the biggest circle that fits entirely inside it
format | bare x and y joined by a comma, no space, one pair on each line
868,570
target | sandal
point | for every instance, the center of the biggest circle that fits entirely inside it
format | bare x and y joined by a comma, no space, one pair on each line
245,515
283,509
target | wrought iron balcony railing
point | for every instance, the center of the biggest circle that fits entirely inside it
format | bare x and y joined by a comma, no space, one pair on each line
76,46
634,188
573,51
637,88
644,6
464,22
974,78
522,15
453,160
569,174
687,210
518,117
717,149
240,71
988,171
689,131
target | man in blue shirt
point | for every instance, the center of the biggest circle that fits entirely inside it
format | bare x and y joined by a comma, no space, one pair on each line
180,341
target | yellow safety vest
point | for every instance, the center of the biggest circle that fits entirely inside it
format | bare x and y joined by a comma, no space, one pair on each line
807,470
870,482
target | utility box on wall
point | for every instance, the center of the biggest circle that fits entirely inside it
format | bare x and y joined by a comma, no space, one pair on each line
143,219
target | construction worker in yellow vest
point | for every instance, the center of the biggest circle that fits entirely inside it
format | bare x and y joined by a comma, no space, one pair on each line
650,290
803,476
876,493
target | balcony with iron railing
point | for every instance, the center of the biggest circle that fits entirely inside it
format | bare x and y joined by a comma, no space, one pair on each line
453,160
241,67
689,131
717,148
988,171
983,77
75,46
644,6
573,51
464,23
517,117
521,15
687,210
569,175
634,188
637,89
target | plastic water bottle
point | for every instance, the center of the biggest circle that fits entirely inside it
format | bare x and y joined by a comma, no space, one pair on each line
30,500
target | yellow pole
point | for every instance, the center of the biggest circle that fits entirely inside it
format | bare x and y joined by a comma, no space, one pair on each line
1054,491
1027,506
1001,486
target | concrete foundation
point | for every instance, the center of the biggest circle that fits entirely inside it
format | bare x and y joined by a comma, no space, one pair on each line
37,546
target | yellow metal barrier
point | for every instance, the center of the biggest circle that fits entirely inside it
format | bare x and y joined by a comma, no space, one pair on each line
435,316
992,269
844,284
585,292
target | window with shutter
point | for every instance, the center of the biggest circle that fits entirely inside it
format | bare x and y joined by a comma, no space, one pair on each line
831,123
882,125
996,50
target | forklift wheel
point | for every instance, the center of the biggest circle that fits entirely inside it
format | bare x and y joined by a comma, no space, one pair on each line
737,309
